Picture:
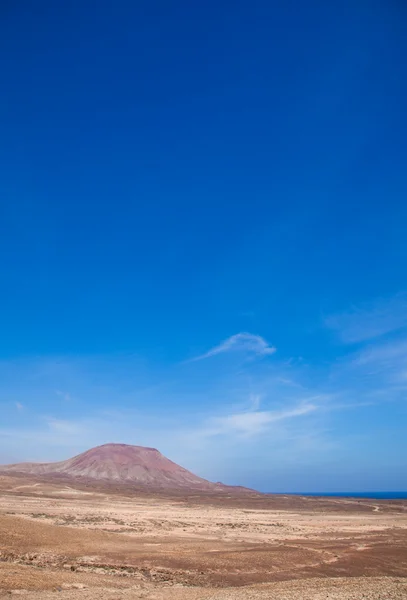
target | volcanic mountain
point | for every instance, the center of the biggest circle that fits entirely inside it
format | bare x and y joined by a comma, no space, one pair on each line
121,463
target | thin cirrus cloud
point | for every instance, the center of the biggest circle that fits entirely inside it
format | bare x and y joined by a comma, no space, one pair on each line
241,342
370,321
385,364
254,422
389,354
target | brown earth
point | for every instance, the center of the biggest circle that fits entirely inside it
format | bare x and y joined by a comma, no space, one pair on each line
99,541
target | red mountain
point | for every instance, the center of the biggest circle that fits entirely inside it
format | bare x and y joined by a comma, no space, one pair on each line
121,463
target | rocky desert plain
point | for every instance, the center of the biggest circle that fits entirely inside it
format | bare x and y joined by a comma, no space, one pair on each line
123,522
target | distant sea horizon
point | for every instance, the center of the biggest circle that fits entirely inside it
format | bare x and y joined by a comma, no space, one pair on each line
372,495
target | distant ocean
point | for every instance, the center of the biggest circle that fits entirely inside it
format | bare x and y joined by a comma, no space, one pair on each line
373,495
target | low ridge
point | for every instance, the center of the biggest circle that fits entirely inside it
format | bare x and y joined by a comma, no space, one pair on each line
121,463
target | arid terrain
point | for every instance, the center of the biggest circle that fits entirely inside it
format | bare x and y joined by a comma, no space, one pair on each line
69,539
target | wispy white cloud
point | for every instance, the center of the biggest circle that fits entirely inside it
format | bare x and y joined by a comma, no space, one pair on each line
383,354
384,364
242,342
254,422
370,320
289,382
19,406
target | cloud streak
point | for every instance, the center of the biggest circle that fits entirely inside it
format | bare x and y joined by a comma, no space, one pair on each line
241,342
254,422
370,321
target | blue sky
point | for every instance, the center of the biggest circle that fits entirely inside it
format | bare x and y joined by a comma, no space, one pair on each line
203,237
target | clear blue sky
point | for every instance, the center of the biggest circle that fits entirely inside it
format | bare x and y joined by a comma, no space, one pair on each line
203,236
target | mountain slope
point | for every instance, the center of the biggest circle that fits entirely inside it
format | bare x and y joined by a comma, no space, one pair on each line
121,463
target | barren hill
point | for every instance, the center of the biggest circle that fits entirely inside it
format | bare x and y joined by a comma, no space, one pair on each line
121,463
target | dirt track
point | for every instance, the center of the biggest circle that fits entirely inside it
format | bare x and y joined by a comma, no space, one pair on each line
88,543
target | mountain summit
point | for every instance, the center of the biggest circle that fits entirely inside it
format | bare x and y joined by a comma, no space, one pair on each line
121,463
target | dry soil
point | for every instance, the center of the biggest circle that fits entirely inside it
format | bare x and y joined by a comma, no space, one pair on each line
64,540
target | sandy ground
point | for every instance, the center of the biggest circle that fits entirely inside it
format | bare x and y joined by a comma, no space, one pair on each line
75,541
